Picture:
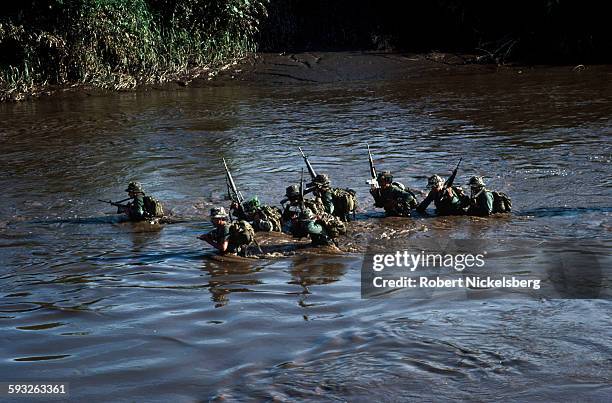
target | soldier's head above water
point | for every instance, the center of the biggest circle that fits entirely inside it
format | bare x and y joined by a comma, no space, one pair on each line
292,192
134,188
476,182
218,215
321,180
384,178
435,182
306,214
252,204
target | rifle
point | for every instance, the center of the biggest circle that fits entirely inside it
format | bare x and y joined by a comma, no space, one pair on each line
373,181
117,203
451,179
302,191
233,192
310,168
236,197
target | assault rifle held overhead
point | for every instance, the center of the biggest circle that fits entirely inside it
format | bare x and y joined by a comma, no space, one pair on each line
451,179
302,190
236,197
308,164
372,181
234,194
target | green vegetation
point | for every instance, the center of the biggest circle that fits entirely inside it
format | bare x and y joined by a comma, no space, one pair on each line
118,43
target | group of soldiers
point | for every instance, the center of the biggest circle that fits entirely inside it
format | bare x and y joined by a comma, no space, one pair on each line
322,217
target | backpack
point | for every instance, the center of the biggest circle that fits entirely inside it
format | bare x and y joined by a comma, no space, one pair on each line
399,185
333,225
273,214
345,202
241,233
501,202
152,207
316,207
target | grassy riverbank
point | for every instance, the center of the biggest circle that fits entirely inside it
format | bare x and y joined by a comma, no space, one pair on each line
121,44
118,44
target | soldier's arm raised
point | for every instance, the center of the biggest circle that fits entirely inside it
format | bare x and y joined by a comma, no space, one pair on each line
426,202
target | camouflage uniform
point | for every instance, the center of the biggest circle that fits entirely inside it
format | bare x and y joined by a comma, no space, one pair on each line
308,225
253,212
320,187
221,234
134,209
392,196
446,204
291,210
481,199
226,232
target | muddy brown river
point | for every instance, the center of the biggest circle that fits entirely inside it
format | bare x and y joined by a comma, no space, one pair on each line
138,312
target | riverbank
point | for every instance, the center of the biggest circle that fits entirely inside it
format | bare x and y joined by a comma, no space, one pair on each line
286,68
177,80
304,68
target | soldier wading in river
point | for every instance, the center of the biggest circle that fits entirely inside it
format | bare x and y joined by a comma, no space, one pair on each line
308,224
484,202
140,207
450,200
392,196
262,217
338,202
291,207
229,238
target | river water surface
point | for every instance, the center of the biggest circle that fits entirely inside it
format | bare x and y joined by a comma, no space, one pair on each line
140,312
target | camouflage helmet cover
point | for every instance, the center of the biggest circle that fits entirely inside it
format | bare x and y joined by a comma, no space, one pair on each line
292,191
218,212
434,181
252,204
476,181
134,187
307,214
384,176
321,180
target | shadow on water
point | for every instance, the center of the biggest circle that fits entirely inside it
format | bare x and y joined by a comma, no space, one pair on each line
114,219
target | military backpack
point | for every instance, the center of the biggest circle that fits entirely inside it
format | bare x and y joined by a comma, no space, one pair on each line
241,233
152,207
273,214
345,202
334,227
501,202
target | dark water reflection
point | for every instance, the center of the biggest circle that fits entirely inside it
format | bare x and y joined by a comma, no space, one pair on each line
140,312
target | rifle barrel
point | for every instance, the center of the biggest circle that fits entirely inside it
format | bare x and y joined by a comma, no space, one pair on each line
302,191
230,179
451,179
372,168
311,170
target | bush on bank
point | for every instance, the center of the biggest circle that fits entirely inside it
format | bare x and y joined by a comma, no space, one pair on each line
118,43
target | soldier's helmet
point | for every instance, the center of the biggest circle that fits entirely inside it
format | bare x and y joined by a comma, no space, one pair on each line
218,212
476,182
292,192
307,214
252,204
134,187
321,180
384,176
434,181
